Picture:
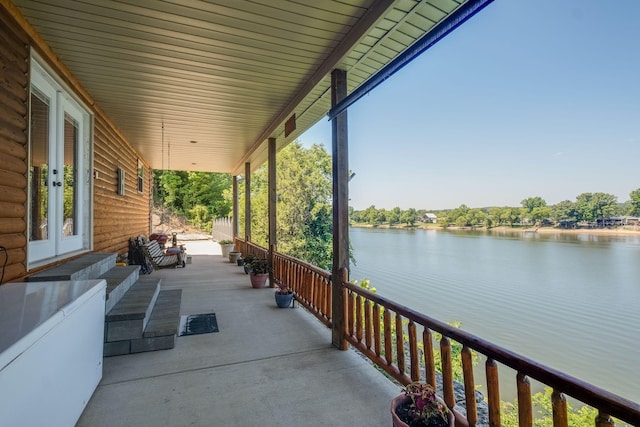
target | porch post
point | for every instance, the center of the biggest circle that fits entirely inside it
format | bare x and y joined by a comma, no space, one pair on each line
340,158
234,212
247,202
272,207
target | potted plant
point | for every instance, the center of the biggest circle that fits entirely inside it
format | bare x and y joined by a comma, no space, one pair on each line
420,407
247,263
226,246
284,296
259,273
233,256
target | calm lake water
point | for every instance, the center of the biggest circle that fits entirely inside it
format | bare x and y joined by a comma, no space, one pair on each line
571,302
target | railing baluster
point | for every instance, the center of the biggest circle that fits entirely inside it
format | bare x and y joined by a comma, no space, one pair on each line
376,329
311,296
559,405
469,386
328,292
429,364
604,420
359,317
400,345
525,414
367,323
447,372
318,297
318,284
493,393
388,344
413,352
351,314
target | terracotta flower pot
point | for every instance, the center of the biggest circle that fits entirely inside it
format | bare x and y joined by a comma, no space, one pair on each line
258,280
403,399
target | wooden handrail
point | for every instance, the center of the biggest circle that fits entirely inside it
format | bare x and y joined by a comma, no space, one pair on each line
311,285
606,402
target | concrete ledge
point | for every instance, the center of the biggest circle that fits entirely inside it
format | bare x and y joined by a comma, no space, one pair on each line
88,266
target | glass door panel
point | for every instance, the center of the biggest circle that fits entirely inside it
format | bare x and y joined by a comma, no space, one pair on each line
39,170
70,200
69,225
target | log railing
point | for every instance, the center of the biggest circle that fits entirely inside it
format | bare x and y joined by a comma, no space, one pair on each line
401,342
310,284
249,248
378,328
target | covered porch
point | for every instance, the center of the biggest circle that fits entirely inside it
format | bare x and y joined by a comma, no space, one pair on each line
265,366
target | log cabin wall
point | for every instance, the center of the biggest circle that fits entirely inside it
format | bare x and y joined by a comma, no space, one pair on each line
115,217
14,85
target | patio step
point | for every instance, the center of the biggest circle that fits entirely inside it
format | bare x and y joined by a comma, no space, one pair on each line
145,319
88,266
128,319
119,281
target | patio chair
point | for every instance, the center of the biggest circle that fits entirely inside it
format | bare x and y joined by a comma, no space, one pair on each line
158,258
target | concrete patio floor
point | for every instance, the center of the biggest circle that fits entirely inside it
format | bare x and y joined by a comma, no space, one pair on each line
266,367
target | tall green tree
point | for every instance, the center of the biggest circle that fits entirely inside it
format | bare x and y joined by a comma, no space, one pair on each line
530,203
593,206
409,217
304,193
564,210
634,202
200,196
394,215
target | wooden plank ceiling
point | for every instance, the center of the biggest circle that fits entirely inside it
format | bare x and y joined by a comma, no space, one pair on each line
224,73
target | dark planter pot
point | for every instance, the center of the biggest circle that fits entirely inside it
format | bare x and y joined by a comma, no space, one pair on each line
258,280
284,300
402,400
247,268
240,262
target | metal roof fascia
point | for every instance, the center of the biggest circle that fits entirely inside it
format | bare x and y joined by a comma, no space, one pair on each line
443,29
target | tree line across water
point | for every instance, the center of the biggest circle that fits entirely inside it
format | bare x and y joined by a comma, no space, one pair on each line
304,197
587,209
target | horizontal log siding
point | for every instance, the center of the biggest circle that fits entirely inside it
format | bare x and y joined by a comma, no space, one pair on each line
115,217
14,55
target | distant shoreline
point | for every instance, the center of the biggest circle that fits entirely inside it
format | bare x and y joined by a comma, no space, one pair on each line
618,231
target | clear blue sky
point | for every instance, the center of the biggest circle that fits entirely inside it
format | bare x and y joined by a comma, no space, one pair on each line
528,98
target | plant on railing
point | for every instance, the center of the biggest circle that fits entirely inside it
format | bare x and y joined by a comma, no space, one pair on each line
364,284
422,408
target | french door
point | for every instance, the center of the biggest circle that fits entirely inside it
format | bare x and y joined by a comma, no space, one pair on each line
58,170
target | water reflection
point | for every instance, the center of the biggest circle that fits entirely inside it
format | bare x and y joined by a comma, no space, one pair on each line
556,298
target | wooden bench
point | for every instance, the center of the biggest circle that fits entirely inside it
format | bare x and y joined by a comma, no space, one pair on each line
158,258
